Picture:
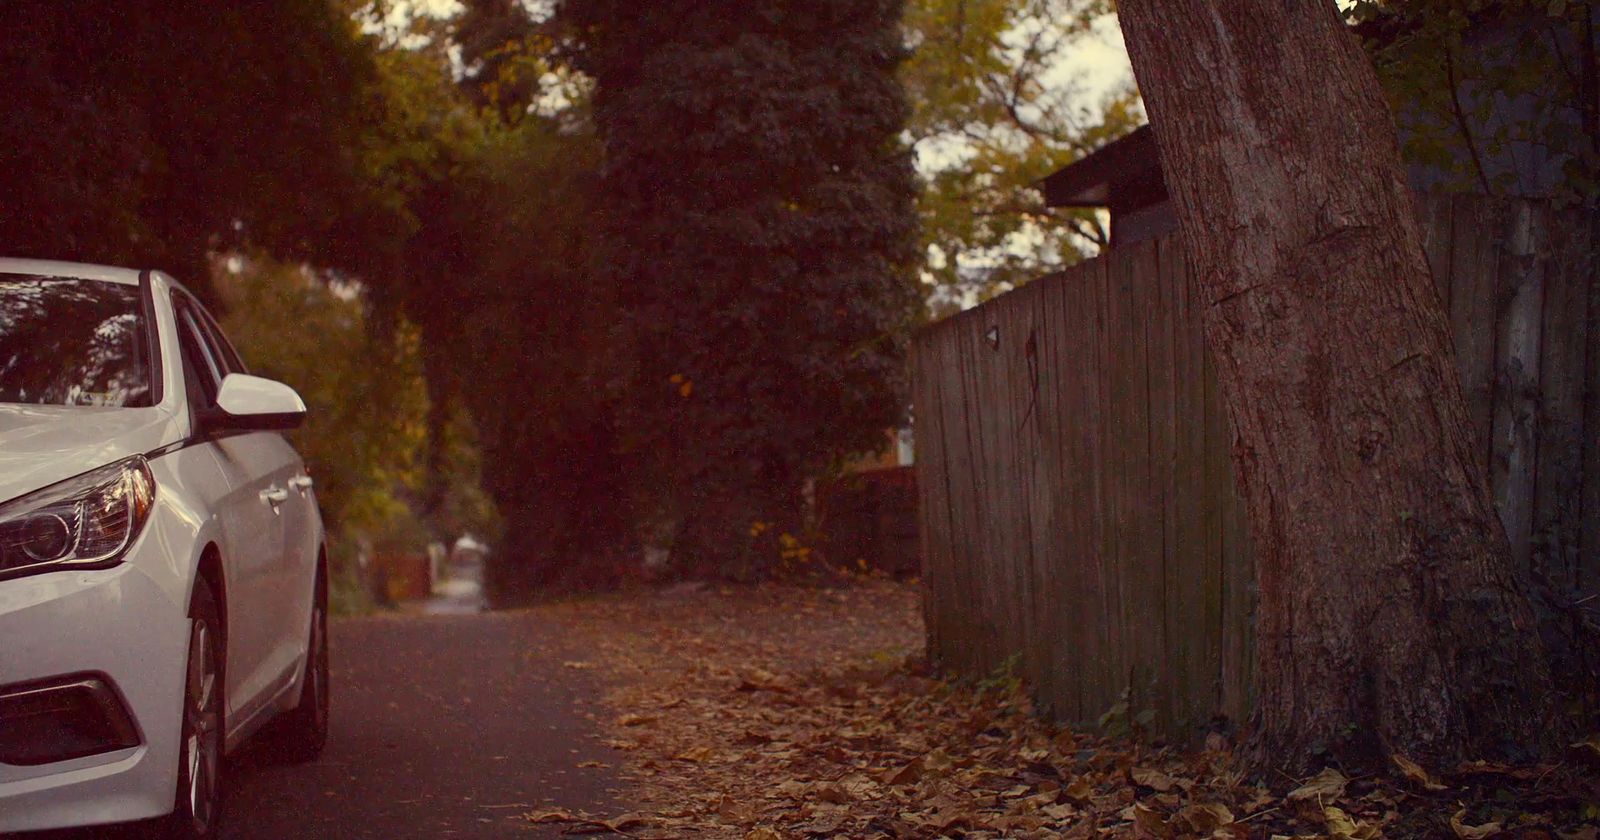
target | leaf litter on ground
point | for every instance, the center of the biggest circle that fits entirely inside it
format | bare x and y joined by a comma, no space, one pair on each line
773,712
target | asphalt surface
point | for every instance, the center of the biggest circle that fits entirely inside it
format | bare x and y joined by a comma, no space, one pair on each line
442,726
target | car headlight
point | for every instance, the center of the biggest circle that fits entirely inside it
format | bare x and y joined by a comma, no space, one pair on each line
83,522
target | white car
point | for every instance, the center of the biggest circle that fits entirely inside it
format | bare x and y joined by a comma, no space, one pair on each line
163,584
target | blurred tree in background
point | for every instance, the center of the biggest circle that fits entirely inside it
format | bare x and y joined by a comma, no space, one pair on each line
157,133
623,279
758,226
365,433
524,333
997,107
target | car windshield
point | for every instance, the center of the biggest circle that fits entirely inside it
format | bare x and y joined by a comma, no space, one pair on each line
68,341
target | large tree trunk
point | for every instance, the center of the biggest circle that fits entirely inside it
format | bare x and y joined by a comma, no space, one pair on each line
1390,617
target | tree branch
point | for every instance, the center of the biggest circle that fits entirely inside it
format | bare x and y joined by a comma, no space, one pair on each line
1461,118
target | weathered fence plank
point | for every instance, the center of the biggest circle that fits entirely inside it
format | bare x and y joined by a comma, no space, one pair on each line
1079,512
1589,570
1135,507
1196,622
1477,228
1434,212
1558,496
1173,654
1084,595
1519,304
982,462
1063,594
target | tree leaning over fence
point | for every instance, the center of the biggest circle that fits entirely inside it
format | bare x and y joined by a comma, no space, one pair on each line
1079,517
1390,618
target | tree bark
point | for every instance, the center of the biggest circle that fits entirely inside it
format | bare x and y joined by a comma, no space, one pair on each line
1390,617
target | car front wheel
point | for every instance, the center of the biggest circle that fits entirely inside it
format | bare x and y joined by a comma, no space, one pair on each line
199,796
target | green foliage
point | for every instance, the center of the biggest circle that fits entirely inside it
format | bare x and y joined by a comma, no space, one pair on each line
1483,89
1004,679
156,133
365,397
364,429
510,63
997,109
348,594
365,433
759,228
515,232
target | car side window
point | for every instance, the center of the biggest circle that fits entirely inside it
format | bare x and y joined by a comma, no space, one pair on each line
220,346
202,373
224,359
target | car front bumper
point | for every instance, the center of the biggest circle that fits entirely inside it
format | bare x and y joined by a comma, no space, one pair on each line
123,627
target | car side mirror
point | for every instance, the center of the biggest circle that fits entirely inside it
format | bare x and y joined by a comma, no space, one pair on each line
253,404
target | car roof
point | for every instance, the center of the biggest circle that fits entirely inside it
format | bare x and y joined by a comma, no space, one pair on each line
56,268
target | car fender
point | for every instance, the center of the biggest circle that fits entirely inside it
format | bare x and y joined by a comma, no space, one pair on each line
182,525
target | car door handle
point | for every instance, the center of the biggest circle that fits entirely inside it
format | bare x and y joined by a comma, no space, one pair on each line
301,483
274,496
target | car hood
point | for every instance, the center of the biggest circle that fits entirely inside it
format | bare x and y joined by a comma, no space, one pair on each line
43,444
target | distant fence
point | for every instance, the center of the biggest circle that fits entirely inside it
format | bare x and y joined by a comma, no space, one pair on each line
1079,517
869,520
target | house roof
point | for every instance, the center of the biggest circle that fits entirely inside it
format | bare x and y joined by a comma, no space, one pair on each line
1095,180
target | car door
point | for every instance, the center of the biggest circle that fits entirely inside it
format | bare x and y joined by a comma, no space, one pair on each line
296,564
251,525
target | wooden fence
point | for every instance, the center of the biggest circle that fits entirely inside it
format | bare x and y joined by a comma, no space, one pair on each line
1079,518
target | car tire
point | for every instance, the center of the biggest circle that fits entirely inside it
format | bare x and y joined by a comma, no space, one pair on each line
197,805
304,731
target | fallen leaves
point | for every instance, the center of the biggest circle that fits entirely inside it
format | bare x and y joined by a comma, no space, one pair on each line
759,680
1202,820
1472,832
694,754
1153,779
1414,773
802,715
1326,786
580,823
771,713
